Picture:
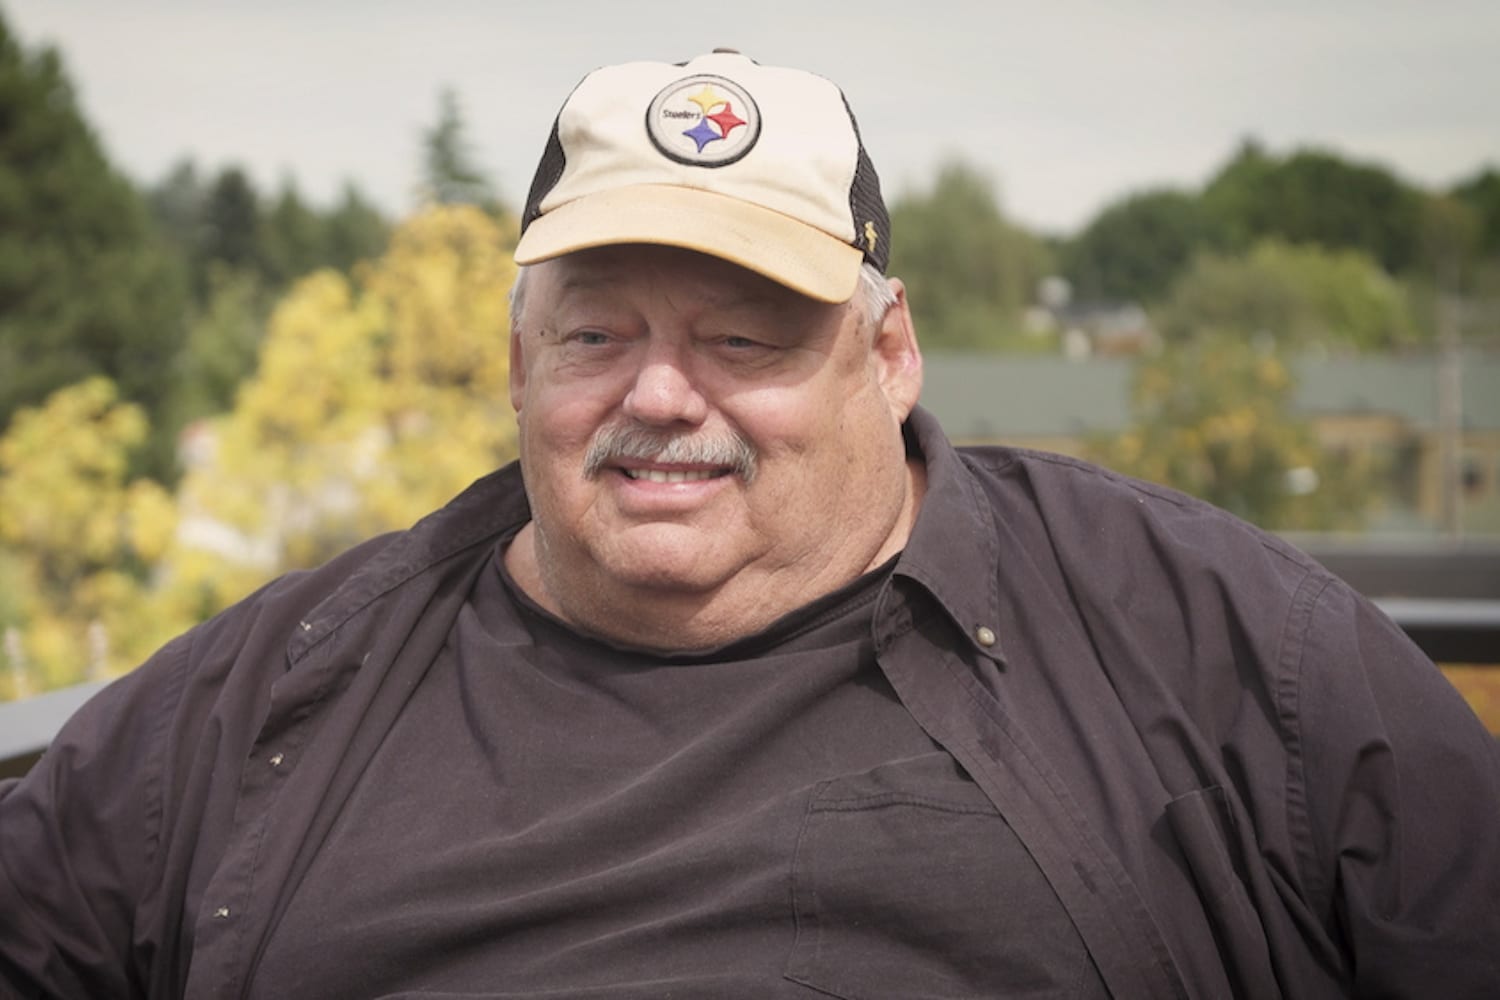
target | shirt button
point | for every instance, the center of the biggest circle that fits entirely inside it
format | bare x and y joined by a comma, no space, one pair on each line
276,759
221,912
985,636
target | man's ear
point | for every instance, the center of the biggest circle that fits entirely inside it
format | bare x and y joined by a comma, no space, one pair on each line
896,355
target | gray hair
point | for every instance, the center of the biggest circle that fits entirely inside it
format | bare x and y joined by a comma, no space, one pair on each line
874,295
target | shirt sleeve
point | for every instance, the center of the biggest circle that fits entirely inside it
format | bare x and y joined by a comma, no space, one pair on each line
1401,804
77,840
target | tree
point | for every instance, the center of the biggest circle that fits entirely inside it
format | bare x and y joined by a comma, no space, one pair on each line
222,346
970,272
85,287
1211,417
1481,193
231,232
1134,249
79,535
1317,197
242,254
354,231
1462,246
1295,296
293,238
225,224
376,399
176,205
450,174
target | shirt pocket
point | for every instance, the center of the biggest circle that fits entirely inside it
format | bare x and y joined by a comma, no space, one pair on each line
906,882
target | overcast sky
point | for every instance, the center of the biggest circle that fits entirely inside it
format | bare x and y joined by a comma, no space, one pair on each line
1066,105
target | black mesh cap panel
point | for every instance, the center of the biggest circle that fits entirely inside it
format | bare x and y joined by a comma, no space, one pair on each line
548,172
867,206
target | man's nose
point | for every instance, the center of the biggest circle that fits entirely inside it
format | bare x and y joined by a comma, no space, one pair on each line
665,392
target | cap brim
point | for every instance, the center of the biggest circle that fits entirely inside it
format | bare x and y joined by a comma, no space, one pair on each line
787,251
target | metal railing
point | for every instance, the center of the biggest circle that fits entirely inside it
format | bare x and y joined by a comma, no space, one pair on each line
1445,593
28,725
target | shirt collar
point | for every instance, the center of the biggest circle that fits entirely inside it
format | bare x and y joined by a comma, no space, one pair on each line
492,506
953,551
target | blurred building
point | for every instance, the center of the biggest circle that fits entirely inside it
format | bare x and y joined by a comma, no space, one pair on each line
1385,409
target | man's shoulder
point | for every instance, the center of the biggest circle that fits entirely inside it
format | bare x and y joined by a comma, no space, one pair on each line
1167,589
1099,515
312,584
318,599
277,606
1074,476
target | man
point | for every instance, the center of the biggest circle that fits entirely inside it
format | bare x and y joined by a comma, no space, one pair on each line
745,683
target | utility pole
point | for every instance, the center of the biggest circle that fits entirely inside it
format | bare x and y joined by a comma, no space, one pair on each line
1450,388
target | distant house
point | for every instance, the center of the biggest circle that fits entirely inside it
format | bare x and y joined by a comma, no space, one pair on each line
1090,328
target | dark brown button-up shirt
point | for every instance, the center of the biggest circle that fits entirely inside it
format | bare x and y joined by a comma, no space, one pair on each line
1237,777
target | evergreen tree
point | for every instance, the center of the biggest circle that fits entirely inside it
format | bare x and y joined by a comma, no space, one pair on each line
85,287
243,253
450,174
231,223
354,231
226,225
293,238
177,206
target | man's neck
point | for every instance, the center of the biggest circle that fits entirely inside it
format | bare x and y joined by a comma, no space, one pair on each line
674,620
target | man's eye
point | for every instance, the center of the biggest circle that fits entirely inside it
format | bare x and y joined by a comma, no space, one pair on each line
591,338
740,343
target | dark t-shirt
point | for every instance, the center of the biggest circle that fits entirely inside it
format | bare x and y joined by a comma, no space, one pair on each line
553,816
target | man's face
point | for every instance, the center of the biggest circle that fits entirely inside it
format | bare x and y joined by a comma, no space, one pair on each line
704,449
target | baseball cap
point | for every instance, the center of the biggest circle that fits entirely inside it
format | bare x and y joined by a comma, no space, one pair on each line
762,166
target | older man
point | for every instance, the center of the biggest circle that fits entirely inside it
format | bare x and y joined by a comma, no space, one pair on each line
745,683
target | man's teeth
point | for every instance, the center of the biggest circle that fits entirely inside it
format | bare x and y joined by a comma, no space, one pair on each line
674,476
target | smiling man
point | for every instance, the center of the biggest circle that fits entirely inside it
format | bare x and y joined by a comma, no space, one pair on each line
705,450
744,682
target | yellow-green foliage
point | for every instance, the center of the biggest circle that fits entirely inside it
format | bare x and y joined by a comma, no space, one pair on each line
375,400
1211,416
77,531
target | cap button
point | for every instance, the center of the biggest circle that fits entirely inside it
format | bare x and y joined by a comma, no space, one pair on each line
724,51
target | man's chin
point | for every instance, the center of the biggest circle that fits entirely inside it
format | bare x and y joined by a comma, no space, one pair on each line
668,557
666,576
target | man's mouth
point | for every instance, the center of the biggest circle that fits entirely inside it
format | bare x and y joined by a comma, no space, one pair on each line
674,475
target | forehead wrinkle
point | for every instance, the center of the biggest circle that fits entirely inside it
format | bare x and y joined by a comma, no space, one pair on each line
718,287
585,278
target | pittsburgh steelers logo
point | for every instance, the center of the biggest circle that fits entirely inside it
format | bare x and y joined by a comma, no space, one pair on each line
703,120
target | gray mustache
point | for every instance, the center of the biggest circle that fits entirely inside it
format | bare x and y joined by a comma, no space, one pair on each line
646,444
